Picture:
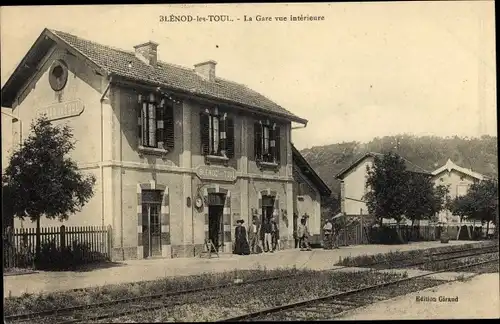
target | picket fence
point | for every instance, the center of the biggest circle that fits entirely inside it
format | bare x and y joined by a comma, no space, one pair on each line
19,244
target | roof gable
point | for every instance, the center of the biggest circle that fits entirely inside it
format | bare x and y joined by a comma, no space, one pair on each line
309,172
449,166
124,64
410,166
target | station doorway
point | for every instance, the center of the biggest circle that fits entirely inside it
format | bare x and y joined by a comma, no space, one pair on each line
215,221
151,222
267,212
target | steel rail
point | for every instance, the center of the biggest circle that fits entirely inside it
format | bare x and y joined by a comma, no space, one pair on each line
163,306
18,317
342,294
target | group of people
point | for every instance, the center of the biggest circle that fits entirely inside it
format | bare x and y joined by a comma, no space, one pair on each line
256,243
244,245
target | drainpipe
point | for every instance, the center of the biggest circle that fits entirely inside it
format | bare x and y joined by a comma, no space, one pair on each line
15,119
101,169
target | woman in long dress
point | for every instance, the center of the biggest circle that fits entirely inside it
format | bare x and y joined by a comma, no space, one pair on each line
241,245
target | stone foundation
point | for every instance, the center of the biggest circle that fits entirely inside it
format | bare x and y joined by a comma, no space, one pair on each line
126,253
183,251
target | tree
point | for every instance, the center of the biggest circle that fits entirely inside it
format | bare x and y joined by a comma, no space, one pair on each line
394,192
43,180
387,183
480,203
423,200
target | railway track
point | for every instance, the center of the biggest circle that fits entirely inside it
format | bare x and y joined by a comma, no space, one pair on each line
331,306
442,256
78,314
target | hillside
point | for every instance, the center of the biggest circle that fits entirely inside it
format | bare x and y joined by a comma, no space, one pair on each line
428,152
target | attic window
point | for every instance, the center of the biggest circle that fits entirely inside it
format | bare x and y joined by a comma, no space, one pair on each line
58,71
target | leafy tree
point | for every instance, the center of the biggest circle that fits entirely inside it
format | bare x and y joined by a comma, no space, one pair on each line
423,200
394,192
387,184
480,203
43,180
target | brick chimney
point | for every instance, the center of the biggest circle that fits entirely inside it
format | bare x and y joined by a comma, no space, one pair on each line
206,69
147,52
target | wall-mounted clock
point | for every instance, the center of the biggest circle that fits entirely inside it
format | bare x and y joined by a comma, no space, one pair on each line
58,75
198,202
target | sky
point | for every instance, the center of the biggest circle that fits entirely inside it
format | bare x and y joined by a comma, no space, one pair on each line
366,70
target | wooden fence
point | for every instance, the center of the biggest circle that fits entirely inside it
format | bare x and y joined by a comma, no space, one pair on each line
93,243
353,235
358,233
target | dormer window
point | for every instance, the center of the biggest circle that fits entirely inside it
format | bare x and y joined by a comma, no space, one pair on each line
155,122
217,133
267,142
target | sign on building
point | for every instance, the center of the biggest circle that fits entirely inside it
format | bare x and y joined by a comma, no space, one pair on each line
63,110
206,172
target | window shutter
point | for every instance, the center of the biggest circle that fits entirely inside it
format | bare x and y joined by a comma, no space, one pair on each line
160,124
222,132
168,131
277,142
145,126
257,140
139,122
271,143
204,136
230,137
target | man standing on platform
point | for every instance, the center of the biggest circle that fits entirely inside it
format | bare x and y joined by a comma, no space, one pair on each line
275,234
253,235
335,234
328,232
303,233
268,243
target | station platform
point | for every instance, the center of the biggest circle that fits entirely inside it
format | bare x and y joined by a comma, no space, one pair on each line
150,269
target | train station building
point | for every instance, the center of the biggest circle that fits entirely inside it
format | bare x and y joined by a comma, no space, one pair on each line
178,153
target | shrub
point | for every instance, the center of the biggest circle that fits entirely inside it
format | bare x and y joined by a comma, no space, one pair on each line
53,257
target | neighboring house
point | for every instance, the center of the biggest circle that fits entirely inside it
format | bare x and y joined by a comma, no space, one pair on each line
7,146
179,154
353,183
458,181
308,189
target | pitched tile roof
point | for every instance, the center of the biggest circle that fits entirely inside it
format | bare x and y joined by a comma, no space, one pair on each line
116,61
